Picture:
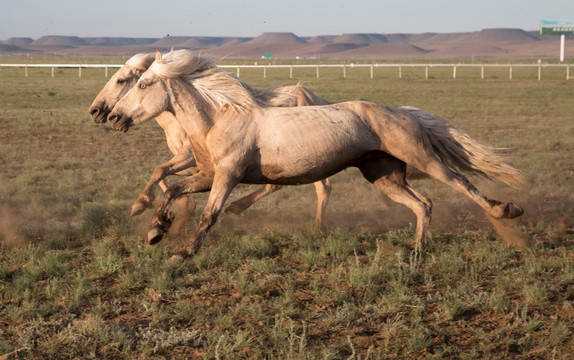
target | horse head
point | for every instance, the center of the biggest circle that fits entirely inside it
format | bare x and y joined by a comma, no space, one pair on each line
118,85
146,100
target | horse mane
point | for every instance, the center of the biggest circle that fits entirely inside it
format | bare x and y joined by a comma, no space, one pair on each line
141,62
216,86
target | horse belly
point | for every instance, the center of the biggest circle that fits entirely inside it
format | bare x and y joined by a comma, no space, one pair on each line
309,149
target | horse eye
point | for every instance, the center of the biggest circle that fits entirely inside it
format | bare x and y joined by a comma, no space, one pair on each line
143,86
121,81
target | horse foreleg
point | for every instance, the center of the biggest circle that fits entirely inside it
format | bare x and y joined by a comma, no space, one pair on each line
222,186
239,206
161,220
181,161
323,189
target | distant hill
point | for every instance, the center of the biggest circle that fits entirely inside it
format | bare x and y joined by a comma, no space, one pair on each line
53,40
120,41
321,39
277,38
18,41
487,43
385,51
360,39
7,49
496,35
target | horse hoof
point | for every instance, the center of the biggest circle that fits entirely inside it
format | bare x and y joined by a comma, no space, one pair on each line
180,256
137,208
154,236
505,211
176,258
513,211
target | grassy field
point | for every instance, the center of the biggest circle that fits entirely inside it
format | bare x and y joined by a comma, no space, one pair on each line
77,279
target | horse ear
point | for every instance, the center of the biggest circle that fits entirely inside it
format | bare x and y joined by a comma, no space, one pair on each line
157,55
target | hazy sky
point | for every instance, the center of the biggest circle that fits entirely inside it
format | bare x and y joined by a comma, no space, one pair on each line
157,18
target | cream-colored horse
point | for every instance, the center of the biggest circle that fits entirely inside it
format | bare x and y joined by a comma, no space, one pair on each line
183,162
235,140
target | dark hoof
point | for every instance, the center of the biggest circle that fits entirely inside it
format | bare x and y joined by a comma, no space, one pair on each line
512,211
154,236
502,210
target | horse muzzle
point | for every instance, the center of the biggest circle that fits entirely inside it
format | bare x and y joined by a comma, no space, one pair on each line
99,115
120,123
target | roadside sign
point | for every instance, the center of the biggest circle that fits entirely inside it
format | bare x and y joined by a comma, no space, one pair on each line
556,27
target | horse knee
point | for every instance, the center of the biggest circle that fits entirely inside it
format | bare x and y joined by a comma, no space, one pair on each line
173,191
427,202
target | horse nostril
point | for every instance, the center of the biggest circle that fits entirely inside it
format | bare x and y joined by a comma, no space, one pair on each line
94,112
113,118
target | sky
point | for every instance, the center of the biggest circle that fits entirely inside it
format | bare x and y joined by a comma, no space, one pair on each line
251,18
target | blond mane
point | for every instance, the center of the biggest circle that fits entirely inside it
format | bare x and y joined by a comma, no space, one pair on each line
140,62
216,86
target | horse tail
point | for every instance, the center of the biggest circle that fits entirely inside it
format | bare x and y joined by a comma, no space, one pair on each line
459,151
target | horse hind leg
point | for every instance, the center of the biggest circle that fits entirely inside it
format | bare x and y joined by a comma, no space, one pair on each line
494,208
417,151
388,175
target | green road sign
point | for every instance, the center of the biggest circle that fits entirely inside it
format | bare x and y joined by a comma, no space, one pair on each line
556,27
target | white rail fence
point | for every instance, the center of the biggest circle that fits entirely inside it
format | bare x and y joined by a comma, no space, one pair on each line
317,68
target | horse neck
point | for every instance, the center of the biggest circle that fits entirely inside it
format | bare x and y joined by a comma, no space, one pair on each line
194,114
175,135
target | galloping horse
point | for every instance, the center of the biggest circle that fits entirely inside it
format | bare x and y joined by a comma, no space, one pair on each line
236,140
183,162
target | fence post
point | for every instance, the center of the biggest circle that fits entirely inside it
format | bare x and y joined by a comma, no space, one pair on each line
372,71
539,71
344,71
26,70
106,71
482,72
454,72
317,71
238,71
265,71
80,71
400,71
291,72
510,72
426,72
568,72
52,71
